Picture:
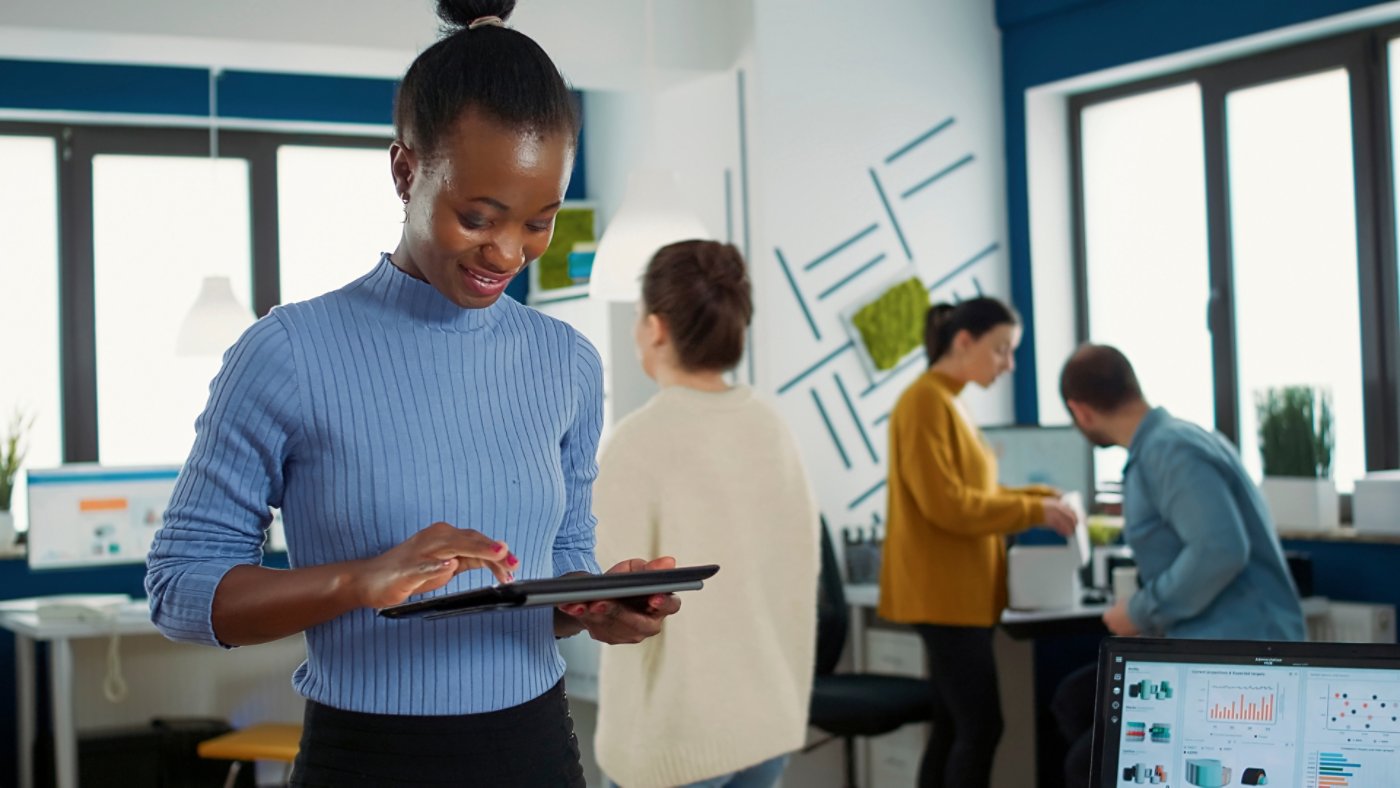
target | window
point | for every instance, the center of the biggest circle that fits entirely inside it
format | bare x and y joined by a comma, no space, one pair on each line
336,209
1248,191
29,299
1293,230
110,232
1145,248
149,258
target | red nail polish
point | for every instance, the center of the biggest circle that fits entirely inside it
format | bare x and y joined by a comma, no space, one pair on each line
512,561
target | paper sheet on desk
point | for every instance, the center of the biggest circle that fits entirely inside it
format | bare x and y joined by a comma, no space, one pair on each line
1079,540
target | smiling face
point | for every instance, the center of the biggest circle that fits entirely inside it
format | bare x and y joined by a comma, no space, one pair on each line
481,207
989,356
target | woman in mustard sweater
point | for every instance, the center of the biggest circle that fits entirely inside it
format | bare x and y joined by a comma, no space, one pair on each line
944,566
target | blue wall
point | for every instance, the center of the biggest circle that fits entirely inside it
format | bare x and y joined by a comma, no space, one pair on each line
184,91
1049,40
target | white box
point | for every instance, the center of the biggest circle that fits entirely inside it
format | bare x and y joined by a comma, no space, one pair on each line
1375,505
1358,622
1302,504
1042,577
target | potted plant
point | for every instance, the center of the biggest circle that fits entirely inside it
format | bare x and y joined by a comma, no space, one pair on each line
1296,441
12,450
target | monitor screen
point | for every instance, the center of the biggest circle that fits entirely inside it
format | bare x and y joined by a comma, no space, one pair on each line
1057,456
91,515
1218,713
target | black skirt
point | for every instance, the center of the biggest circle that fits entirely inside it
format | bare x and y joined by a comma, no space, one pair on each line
530,746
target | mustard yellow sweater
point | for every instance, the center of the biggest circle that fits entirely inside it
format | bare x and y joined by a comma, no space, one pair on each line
945,551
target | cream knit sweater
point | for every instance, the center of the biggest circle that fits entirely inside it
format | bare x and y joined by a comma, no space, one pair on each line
709,478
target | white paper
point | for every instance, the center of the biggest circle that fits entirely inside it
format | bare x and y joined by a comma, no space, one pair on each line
1079,540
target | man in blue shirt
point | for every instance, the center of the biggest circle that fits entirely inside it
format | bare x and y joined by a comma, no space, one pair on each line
1208,557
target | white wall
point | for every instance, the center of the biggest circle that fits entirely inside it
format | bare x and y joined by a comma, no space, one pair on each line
833,96
597,44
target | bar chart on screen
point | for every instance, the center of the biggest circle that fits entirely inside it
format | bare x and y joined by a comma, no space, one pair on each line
1336,770
1243,702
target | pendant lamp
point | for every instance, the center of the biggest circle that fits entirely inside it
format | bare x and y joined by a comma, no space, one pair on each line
652,213
651,216
217,319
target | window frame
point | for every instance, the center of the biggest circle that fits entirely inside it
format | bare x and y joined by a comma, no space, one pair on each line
77,144
1364,54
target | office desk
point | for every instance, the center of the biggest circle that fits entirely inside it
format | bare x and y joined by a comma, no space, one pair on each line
1019,624
29,631
1016,678
1077,620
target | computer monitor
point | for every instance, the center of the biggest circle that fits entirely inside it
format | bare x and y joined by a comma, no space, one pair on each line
1216,713
93,515
1057,456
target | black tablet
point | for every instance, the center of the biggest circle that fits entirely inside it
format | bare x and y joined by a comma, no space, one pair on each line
556,591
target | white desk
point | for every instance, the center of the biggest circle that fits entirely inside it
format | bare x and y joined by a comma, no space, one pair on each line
28,631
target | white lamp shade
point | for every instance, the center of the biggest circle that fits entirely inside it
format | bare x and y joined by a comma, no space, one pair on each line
215,321
651,216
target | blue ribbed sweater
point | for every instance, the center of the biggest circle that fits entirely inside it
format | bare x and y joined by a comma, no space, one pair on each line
366,415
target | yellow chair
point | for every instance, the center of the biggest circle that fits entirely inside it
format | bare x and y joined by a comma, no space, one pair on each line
265,742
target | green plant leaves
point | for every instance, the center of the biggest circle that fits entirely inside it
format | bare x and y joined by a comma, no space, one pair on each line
12,450
1295,431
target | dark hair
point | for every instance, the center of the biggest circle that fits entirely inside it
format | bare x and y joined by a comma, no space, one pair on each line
496,70
1101,377
976,316
701,290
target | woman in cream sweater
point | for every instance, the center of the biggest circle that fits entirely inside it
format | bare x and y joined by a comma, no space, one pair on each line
944,566
708,471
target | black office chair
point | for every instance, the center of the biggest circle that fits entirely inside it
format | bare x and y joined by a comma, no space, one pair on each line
848,705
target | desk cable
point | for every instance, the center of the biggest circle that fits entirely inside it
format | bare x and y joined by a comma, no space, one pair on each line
114,687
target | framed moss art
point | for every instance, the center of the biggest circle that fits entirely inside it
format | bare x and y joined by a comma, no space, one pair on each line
887,324
552,277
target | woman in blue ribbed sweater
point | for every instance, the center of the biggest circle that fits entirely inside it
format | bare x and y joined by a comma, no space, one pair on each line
419,433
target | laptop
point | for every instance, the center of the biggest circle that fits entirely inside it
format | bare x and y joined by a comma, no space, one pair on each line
1209,714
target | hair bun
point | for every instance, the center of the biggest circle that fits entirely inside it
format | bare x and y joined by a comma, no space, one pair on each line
721,266
460,13
939,313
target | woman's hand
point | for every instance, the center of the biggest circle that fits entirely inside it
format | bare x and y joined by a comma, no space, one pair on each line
1059,517
427,560
624,620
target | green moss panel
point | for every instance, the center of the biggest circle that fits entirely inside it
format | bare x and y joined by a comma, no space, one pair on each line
893,324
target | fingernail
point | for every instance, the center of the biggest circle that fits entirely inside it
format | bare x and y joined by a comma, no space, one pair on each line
498,547
512,561
510,577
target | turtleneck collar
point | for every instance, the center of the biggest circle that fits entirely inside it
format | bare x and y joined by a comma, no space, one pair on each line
952,385
421,303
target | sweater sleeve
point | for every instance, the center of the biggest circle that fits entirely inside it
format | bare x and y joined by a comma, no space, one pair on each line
573,545
625,500
1033,490
928,469
219,510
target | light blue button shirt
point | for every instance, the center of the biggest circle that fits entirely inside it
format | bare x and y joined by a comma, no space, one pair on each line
1208,557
